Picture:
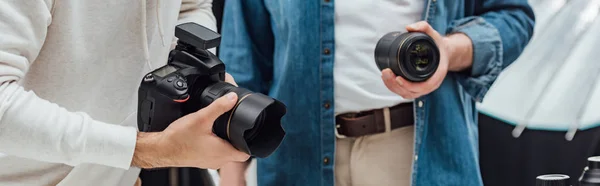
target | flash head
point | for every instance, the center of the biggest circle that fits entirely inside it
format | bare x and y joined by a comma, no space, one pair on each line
197,36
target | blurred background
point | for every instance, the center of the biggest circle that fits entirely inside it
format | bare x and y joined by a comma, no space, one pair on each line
541,116
547,124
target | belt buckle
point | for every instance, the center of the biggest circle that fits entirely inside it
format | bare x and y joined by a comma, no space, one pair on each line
337,134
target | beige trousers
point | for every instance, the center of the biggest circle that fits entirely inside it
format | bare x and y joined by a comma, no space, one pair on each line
375,160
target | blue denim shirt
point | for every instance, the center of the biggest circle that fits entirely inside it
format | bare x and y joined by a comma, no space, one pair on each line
277,47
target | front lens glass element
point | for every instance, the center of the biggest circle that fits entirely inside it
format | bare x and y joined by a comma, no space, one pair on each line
420,55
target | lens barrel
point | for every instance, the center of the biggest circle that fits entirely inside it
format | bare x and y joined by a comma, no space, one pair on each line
253,125
552,180
591,175
412,55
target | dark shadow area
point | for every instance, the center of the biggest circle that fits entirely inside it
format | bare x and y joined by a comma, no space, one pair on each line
506,160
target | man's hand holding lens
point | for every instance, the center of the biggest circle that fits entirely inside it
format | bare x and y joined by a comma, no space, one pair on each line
455,55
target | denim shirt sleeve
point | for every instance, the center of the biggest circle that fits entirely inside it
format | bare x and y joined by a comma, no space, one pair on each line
499,30
247,44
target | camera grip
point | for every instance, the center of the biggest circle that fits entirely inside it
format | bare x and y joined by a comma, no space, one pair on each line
156,111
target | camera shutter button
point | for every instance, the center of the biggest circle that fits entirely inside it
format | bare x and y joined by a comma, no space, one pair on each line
179,84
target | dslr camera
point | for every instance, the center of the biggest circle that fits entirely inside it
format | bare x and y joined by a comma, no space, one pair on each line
192,79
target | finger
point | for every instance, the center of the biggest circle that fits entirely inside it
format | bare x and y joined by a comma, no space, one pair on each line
390,83
412,87
138,182
430,84
229,151
388,79
423,26
229,79
240,156
417,27
217,108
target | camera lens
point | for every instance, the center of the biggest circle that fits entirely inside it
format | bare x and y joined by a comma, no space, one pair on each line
412,55
250,135
552,180
253,125
591,174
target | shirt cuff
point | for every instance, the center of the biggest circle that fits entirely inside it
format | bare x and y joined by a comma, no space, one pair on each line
487,55
110,145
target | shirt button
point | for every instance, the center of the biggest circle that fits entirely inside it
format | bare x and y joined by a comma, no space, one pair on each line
420,103
327,105
326,161
326,51
416,158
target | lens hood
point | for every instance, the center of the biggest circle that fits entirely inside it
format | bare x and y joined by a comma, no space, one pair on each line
253,125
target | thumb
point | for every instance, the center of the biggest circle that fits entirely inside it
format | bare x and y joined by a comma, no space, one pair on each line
217,107
423,26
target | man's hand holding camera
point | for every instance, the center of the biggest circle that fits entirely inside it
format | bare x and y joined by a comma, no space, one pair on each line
192,114
189,141
456,54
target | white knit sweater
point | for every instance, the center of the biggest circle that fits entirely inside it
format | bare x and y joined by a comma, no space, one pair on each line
69,74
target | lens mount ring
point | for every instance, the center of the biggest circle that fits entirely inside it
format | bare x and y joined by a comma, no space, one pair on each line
233,111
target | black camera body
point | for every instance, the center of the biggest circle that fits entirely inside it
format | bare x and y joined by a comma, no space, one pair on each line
192,79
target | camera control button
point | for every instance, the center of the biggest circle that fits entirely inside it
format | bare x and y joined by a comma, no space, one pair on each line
170,79
148,78
185,85
183,97
179,84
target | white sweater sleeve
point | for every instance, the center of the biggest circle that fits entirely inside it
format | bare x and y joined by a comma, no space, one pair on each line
35,128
